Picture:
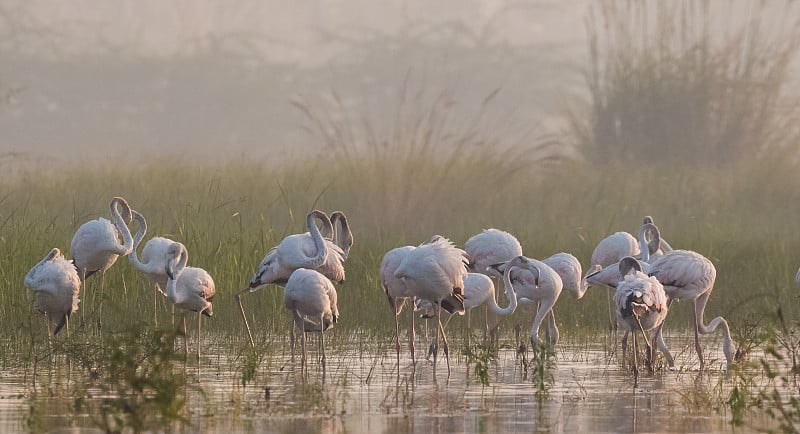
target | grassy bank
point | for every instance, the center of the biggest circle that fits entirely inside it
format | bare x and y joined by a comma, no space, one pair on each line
229,215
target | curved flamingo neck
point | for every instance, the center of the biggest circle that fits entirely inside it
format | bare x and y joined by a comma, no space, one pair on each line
343,238
176,271
137,239
319,242
127,244
512,301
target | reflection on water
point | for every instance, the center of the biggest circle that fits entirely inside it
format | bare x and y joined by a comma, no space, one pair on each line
363,392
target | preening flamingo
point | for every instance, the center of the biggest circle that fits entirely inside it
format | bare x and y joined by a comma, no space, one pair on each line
397,293
536,284
310,293
95,245
434,271
641,305
308,250
53,286
688,275
188,288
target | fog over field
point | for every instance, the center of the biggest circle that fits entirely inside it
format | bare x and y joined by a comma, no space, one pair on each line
96,79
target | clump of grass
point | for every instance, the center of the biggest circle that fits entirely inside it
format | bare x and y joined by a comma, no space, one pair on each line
137,372
481,355
541,366
665,84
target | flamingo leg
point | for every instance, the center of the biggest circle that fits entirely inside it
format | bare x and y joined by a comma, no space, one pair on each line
199,317
435,345
635,362
322,343
697,336
412,333
397,335
445,347
185,336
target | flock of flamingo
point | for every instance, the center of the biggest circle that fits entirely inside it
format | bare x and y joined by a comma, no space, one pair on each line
644,273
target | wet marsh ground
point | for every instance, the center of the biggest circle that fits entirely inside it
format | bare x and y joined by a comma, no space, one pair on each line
587,389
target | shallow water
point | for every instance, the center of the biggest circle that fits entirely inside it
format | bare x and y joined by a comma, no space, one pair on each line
363,392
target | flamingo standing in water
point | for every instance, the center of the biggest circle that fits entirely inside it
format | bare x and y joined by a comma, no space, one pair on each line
310,293
491,246
154,255
435,272
95,245
478,291
536,284
308,250
688,275
641,305
397,293
188,288
53,286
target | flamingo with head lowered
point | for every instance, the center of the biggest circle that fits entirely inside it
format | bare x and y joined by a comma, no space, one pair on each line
435,272
308,250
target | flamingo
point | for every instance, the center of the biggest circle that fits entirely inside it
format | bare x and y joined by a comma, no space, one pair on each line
641,304
664,246
611,249
154,255
569,269
307,250
95,245
310,293
435,272
478,291
688,275
536,284
491,246
188,288
397,293
53,286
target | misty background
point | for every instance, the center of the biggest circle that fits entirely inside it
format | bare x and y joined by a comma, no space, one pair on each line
93,79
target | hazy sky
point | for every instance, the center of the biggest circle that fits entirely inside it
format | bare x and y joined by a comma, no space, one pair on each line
97,78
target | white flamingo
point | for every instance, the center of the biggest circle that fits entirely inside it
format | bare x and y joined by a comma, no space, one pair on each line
188,288
641,305
96,247
154,255
478,291
536,284
435,271
491,246
53,286
309,293
569,269
612,249
397,293
308,250
688,275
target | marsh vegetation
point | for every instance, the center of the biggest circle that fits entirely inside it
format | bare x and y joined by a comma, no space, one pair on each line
726,186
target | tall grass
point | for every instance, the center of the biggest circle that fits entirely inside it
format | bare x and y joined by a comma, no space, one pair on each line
700,81
740,216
